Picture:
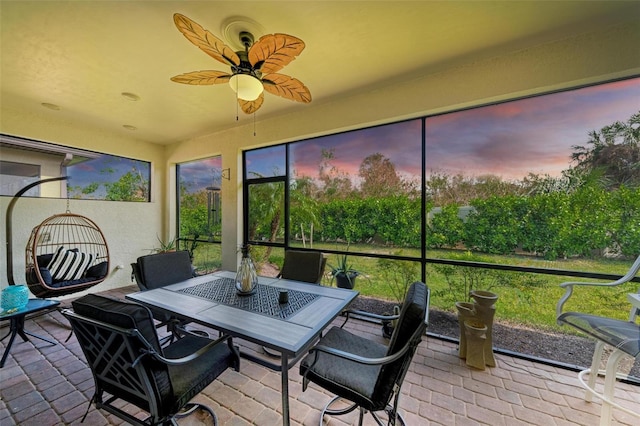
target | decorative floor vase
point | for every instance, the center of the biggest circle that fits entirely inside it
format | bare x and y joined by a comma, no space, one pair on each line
476,334
485,308
466,312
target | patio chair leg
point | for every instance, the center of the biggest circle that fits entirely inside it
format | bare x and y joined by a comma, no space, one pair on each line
609,382
595,367
336,411
607,395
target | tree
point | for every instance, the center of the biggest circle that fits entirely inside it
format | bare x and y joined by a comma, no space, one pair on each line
459,189
266,210
303,208
379,177
614,150
336,183
193,214
130,187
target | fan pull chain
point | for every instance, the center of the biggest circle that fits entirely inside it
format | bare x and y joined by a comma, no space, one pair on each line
237,102
254,123
68,208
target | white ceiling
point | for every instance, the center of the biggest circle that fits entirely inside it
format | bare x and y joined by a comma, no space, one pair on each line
82,55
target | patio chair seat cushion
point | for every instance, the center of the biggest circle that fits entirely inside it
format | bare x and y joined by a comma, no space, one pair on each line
623,335
352,380
191,378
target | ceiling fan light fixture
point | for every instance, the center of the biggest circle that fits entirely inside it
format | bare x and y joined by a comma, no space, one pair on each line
246,86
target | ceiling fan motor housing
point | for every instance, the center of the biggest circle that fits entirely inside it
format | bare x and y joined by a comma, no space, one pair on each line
246,38
244,67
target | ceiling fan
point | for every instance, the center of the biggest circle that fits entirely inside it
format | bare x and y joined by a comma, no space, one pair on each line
252,70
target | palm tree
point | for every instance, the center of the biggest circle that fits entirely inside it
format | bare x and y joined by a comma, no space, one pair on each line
614,150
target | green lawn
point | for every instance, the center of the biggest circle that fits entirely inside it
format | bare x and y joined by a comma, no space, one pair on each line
524,298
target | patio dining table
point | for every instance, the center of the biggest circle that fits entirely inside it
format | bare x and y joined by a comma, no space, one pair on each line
289,328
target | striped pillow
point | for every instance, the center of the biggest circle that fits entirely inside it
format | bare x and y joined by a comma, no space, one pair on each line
69,265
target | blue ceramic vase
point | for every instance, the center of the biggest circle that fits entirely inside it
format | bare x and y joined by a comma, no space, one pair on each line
14,297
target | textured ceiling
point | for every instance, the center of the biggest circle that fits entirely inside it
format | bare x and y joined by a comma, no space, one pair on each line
82,55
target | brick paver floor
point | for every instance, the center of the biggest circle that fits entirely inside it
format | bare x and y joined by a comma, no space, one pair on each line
51,385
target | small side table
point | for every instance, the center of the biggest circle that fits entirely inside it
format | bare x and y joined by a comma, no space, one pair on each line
17,323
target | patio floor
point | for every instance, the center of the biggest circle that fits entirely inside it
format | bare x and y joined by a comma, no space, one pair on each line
51,385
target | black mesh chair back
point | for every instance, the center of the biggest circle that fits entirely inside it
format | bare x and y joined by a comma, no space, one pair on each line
121,346
365,372
305,266
408,333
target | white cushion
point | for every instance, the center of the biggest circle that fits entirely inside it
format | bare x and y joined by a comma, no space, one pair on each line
67,265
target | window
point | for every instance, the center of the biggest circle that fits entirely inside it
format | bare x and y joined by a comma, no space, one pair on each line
551,177
513,197
200,212
90,175
358,190
265,162
16,176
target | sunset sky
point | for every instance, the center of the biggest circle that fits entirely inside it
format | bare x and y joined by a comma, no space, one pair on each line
509,140
530,135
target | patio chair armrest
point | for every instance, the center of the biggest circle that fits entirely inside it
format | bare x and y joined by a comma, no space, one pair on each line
360,359
569,285
371,315
364,360
188,358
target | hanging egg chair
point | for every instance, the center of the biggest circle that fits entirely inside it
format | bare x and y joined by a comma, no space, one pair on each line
66,253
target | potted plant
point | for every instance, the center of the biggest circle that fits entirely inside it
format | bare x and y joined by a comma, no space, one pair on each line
165,245
344,273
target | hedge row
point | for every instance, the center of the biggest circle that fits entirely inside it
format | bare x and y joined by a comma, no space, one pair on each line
582,223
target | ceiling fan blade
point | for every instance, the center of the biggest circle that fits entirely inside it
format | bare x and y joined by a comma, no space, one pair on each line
202,78
273,51
287,87
249,107
207,42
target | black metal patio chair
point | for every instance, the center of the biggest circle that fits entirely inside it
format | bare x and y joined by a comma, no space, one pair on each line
365,374
121,346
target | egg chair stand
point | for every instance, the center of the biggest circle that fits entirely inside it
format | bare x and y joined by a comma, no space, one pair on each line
65,254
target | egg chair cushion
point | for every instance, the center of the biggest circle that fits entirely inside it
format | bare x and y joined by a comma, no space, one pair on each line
44,259
32,277
68,265
97,271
